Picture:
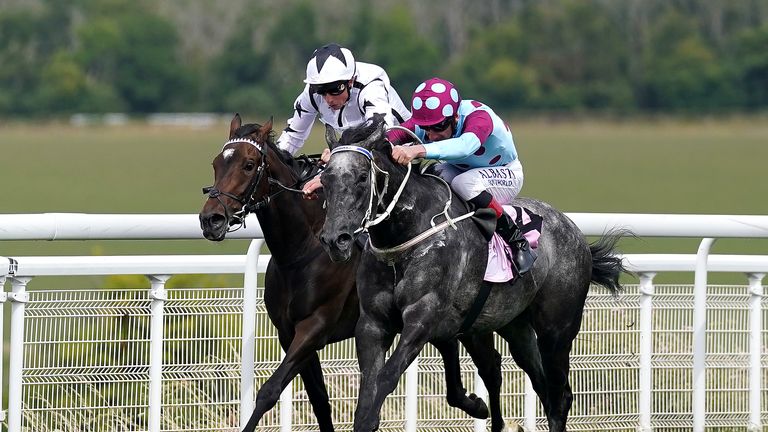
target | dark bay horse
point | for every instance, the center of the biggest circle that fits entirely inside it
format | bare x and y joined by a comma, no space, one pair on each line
311,300
424,289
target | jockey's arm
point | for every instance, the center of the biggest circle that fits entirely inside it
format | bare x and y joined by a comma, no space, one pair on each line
396,136
373,99
478,126
300,125
404,154
453,148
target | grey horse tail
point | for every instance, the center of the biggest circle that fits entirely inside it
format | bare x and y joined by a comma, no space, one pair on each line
607,266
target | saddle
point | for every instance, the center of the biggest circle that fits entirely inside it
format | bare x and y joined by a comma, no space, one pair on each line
500,267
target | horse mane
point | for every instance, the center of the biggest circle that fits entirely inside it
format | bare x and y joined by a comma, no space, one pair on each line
359,133
298,166
246,130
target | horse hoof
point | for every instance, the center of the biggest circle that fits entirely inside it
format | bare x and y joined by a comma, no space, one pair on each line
366,426
514,427
478,409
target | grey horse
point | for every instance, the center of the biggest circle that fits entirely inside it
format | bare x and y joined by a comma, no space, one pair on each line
424,289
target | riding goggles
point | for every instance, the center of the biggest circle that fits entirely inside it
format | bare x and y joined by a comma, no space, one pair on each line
439,127
333,89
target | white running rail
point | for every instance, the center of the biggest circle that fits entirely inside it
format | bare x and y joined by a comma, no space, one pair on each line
645,415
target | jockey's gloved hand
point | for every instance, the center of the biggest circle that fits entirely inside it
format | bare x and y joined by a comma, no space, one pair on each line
405,154
325,156
311,187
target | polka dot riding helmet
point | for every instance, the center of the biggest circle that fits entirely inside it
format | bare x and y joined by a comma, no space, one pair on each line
433,101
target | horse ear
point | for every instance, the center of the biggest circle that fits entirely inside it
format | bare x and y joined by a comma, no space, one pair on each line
234,125
330,136
375,138
263,134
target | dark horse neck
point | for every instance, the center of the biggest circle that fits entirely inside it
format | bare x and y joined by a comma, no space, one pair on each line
289,221
405,223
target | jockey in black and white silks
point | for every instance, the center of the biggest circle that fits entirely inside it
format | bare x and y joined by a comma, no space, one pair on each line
343,93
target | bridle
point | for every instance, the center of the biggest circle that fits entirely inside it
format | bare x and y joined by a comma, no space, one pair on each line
371,218
247,200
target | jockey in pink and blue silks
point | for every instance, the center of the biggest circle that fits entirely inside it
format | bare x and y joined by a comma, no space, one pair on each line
479,157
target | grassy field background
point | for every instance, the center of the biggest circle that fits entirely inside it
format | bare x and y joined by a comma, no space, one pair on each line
639,166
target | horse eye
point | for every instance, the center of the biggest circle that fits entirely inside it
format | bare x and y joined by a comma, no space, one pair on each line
363,177
249,166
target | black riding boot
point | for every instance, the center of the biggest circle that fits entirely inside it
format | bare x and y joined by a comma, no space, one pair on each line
510,232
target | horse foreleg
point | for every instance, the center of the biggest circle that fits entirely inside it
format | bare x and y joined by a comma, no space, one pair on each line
488,361
312,375
412,340
372,340
308,338
456,393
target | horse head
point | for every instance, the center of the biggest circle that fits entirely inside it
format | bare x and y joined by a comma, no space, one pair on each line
349,181
239,177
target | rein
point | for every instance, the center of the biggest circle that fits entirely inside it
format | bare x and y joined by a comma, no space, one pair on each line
369,220
247,200
421,237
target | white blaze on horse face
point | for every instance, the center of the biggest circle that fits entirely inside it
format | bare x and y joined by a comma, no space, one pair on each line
228,153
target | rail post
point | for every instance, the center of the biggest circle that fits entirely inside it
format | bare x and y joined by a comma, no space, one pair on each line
700,336
18,298
158,296
646,350
248,341
755,350
3,298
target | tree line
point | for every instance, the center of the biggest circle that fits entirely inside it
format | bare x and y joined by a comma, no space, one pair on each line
140,56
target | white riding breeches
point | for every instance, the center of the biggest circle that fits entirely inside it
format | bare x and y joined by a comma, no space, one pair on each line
504,182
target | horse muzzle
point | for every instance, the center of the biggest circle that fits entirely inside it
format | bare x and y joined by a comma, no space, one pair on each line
338,246
214,226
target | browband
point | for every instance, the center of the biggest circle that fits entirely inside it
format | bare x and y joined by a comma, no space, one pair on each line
357,149
243,140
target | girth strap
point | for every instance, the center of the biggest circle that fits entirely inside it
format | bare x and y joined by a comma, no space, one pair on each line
477,307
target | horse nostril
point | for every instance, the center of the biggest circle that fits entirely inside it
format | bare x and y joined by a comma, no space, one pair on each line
216,220
344,240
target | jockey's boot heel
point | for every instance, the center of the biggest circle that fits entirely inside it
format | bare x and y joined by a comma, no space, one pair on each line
510,232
